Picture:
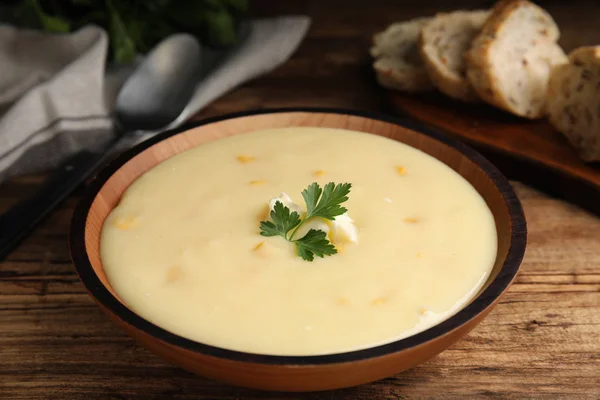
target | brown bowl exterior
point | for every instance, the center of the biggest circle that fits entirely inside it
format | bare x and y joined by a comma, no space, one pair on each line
296,373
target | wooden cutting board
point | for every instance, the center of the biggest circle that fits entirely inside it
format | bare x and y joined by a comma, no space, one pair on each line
532,152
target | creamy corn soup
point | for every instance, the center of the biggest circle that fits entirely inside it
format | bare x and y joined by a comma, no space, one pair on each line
183,248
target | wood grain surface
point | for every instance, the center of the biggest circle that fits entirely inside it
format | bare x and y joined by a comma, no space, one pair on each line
541,341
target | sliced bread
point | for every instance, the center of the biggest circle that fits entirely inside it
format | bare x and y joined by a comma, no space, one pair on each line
574,101
509,62
397,62
443,44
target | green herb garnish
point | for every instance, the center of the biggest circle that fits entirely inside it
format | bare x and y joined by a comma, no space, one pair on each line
323,203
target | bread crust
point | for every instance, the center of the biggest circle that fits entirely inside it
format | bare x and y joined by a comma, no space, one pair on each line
531,57
397,63
443,43
574,101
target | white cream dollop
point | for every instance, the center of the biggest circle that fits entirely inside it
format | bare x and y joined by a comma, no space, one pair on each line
343,229
339,230
286,201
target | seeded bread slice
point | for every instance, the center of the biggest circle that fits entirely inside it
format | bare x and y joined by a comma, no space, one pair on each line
443,44
574,101
509,62
397,61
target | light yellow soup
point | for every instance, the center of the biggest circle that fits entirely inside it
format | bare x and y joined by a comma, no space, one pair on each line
183,248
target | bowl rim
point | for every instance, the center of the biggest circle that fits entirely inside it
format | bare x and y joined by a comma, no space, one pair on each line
478,305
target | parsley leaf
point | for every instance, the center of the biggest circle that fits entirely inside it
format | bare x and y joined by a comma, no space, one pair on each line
328,206
282,221
311,197
322,203
314,243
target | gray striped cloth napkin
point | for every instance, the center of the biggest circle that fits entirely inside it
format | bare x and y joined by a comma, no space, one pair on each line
56,94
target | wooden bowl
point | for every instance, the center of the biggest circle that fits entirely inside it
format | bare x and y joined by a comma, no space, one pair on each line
296,373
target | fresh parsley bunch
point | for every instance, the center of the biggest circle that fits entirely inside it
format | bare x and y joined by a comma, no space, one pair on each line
324,203
134,26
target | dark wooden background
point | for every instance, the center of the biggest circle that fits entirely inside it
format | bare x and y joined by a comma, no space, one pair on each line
542,340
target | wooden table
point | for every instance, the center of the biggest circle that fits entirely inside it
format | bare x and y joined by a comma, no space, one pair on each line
541,341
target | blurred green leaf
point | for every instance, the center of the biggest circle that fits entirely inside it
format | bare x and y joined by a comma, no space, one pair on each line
123,47
49,23
211,4
134,26
187,16
208,19
239,6
221,28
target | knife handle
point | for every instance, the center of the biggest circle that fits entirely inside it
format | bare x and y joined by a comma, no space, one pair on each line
22,218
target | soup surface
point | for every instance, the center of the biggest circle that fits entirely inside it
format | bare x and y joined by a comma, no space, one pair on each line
183,248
